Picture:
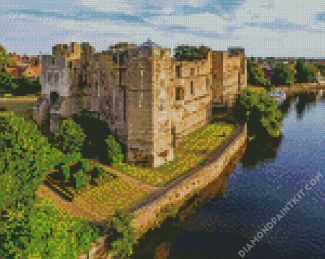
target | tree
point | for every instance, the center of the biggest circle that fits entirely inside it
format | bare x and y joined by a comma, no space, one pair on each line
256,75
7,83
114,150
121,234
96,132
305,73
54,234
86,47
4,58
26,156
282,75
260,112
70,137
26,86
190,53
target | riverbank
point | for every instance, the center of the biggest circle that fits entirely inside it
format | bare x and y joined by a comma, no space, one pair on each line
301,88
258,187
152,211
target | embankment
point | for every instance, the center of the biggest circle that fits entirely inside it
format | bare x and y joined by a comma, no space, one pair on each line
149,213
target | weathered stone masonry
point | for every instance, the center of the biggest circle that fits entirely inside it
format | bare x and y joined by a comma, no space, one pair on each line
145,96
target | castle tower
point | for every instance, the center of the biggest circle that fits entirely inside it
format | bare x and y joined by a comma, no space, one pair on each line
240,52
57,79
148,105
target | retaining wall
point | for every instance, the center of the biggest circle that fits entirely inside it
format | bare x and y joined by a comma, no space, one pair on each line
148,213
176,193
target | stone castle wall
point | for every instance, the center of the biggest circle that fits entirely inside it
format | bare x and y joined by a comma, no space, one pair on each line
145,96
147,214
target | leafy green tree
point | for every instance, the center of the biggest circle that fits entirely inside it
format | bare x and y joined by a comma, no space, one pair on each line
96,132
57,235
305,73
121,234
283,75
260,112
70,137
7,83
114,150
190,53
26,156
256,75
26,86
4,58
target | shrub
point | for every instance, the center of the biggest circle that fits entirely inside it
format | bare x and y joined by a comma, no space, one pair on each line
71,158
65,170
114,151
3,109
70,137
79,180
83,165
121,234
97,172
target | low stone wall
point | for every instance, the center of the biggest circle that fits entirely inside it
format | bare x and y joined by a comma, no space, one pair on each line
300,88
148,213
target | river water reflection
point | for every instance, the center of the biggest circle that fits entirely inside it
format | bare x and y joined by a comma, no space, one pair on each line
218,222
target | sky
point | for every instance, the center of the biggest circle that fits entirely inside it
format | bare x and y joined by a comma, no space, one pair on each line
281,28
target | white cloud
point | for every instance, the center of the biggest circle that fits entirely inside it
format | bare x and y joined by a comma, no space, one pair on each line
252,20
301,12
134,6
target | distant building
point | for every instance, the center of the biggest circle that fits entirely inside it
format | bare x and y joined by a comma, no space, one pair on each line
150,100
26,66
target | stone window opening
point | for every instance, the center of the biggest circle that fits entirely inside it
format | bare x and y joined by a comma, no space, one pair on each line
192,71
179,94
178,71
192,88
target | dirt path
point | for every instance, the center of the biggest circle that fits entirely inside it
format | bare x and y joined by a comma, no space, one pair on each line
129,179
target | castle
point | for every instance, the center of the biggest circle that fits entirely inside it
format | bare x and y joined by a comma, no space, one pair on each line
149,99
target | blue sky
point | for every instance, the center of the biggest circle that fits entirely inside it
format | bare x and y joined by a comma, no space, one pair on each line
263,27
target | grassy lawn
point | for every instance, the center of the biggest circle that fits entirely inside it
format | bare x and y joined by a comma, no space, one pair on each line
106,198
193,150
21,105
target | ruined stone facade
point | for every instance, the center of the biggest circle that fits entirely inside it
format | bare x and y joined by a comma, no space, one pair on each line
145,96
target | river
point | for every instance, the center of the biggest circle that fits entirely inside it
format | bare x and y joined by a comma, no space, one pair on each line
237,216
